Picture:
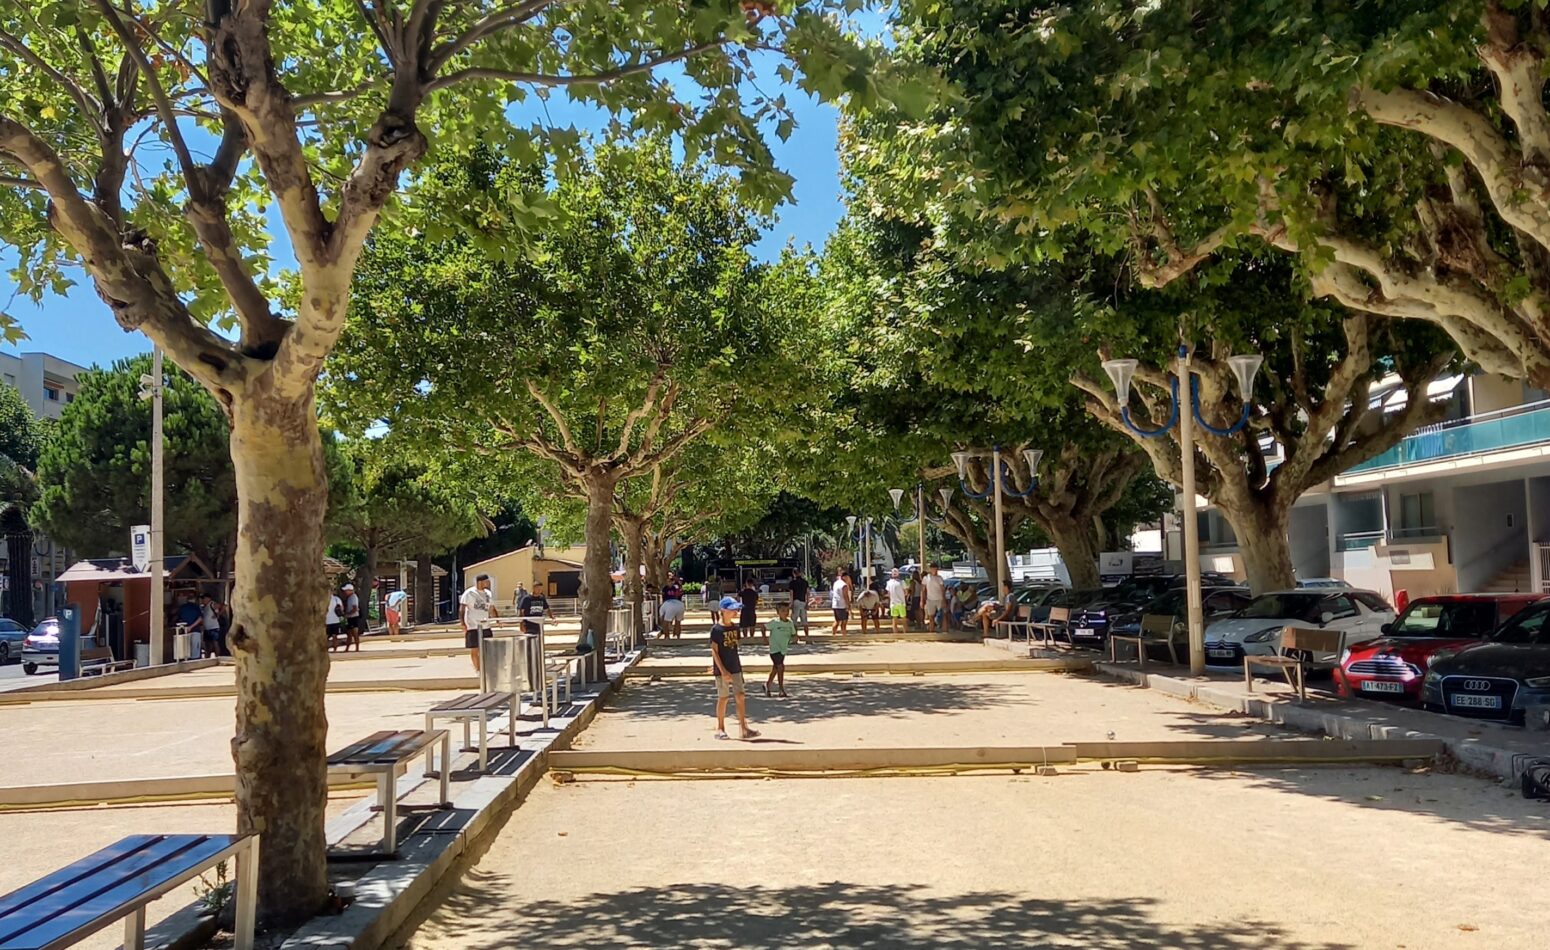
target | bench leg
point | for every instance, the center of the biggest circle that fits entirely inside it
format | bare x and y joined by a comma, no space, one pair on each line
134,929
247,895
1248,676
484,742
387,795
446,765
1140,654
511,720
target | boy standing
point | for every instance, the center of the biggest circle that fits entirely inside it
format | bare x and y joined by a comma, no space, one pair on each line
782,633
728,668
799,589
897,601
839,601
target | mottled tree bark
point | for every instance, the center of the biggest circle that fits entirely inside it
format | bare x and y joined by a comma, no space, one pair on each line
597,587
278,642
631,533
1264,543
1078,546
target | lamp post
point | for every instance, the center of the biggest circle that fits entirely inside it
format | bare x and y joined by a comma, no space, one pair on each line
1244,368
995,490
920,516
151,388
855,557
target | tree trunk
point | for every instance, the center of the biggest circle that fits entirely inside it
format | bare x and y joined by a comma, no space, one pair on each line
424,590
363,581
281,660
1264,544
597,587
1078,549
633,587
656,566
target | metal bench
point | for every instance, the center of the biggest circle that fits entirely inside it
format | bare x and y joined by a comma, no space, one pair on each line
117,883
561,667
477,707
98,660
1155,628
1297,646
1021,622
386,755
1058,622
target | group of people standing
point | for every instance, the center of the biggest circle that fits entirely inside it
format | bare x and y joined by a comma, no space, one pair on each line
478,610
208,619
870,602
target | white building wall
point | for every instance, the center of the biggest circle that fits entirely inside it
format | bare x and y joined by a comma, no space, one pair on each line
1491,532
47,383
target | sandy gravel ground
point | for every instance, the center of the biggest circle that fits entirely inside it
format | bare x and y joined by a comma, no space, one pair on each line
884,710
1273,860
103,740
696,654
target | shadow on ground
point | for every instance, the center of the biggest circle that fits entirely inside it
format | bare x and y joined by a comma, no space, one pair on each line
1453,798
835,914
815,698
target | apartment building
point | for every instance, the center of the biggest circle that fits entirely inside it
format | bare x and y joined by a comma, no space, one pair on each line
1460,505
47,383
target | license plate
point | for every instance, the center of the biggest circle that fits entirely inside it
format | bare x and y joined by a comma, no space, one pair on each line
1379,686
1084,631
1225,653
1478,702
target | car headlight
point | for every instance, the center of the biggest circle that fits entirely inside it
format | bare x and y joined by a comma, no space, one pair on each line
1538,682
1433,680
1262,636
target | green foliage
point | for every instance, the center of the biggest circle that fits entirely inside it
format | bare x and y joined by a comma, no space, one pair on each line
640,318
95,472
21,433
388,504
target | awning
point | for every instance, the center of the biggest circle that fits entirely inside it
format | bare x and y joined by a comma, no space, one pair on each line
1436,391
117,569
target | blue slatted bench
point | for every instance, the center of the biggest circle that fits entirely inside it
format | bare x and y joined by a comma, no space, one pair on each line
386,755
117,882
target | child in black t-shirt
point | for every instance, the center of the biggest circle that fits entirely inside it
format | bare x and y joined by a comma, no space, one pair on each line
728,669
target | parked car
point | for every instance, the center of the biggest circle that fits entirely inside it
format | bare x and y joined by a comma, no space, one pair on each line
1393,666
1091,612
11,636
1256,629
41,648
1322,583
1499,677
1215,602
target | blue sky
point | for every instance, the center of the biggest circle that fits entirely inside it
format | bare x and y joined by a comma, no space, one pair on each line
79,327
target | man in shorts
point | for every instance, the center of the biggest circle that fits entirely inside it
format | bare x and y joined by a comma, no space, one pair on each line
870,603
478,607
728,667
934,594
393,609
333,619
898,602
839,602
782,632
352,618
799,591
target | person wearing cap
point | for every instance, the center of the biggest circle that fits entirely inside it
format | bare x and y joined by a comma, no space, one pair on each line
352,618
898,602
478,606
728,667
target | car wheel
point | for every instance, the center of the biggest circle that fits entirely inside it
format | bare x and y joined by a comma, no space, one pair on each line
5,652
29,668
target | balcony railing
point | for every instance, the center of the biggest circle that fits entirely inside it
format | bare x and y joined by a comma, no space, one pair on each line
1359,540
1488,432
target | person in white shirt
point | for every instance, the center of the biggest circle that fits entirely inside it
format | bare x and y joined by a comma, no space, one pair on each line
478,608
333,619
935,598
393,609
897,606
839,600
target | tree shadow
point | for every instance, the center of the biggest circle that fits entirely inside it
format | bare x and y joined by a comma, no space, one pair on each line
1445,796
816,698
833,914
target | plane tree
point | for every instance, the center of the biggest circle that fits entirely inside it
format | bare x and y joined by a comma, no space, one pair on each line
170,150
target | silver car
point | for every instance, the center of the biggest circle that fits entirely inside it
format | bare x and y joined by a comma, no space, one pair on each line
11,636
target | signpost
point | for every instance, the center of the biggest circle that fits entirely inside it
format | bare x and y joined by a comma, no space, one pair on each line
140,547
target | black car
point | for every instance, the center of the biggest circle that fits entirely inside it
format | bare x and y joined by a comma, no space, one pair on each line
1498,678
1091,612
1215,601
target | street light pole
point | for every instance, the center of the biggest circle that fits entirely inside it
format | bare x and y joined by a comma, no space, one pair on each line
1197,632
920,506
995,470
158,489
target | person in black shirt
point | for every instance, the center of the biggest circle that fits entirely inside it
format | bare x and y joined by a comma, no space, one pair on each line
799,591
533,605
728,668
750,612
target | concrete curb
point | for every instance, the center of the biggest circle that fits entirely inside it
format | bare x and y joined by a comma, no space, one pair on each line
86,683
219,692
386,895
1504,764
918,668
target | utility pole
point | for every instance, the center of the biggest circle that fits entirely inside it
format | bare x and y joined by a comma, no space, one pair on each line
995,482
151,388
1191,526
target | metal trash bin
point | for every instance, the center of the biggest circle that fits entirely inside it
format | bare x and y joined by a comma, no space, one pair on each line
506,664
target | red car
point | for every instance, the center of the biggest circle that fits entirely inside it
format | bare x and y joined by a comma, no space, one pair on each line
1393,666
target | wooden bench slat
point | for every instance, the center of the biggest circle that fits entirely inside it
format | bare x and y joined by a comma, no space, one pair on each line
368,748
474,702
77,902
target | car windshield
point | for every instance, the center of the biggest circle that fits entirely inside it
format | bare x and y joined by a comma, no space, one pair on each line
1170,603
1526,626
1304,607
1445,619
48,628
1081,598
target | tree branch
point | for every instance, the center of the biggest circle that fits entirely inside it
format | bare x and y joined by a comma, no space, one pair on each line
546,79
494,22
557,417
